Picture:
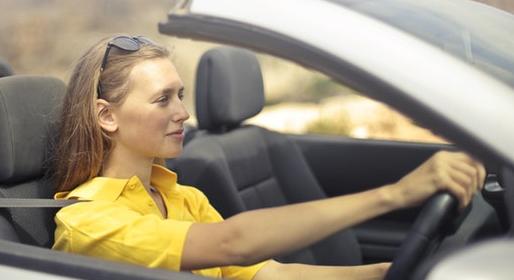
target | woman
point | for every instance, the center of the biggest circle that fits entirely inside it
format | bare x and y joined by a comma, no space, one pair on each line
123,111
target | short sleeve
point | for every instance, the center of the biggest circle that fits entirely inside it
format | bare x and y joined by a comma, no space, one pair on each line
109,231
242,272
206,212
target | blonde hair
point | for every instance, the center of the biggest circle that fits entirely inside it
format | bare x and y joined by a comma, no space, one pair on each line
82,145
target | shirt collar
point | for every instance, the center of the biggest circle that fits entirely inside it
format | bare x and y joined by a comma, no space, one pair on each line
106,188
163,179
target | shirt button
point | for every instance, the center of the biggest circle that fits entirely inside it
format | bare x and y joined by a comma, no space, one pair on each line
150,203
132,186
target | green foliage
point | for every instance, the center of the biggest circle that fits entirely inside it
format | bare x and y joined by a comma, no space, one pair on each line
322,87
338,124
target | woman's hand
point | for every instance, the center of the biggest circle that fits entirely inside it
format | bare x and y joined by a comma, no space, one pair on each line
455,172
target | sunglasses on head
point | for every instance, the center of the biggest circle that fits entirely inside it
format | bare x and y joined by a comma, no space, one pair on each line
125,43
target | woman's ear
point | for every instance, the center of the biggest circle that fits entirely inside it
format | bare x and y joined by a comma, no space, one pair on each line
106,117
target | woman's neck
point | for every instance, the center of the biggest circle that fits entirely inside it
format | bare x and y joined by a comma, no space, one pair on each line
122,163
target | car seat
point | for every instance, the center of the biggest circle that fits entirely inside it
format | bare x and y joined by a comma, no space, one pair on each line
243,167
5,69
28,110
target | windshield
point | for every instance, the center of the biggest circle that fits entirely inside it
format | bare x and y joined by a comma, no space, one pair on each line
474,32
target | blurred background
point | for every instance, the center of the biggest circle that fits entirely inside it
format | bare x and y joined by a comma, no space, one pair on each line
47,36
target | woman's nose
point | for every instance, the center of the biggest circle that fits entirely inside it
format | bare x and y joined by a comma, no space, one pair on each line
180,113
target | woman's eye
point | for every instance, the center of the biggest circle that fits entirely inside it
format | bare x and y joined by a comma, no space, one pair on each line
163,99
181,96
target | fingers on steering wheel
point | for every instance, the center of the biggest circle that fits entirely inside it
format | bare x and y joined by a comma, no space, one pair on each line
480,170
459,191
470,171
465,181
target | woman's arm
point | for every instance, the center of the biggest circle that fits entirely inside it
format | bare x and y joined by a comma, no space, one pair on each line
256,235
277,271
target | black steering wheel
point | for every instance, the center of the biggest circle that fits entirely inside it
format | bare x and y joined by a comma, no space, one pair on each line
438,213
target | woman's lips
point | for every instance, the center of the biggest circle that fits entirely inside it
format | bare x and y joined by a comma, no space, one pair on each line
179,134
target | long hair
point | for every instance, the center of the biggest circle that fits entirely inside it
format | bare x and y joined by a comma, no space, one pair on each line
82,146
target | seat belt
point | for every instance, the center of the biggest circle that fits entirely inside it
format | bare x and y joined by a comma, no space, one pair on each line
36,203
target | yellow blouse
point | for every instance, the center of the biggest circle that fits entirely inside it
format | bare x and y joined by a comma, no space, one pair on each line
122,223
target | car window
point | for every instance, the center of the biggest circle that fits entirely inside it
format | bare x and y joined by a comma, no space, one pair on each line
302,101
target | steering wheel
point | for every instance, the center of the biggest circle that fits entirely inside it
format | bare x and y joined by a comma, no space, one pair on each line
438,212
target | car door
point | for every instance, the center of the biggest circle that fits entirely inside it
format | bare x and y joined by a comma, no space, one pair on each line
343,165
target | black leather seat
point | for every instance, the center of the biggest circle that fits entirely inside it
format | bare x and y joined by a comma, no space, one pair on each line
28,109
243,167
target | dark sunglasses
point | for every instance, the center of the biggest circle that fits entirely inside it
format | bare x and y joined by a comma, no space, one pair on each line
125,43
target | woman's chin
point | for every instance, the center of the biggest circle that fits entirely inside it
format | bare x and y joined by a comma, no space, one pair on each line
171,154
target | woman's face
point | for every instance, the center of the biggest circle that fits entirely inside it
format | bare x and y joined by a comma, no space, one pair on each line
150,120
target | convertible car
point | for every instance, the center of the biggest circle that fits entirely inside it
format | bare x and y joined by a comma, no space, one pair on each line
435,61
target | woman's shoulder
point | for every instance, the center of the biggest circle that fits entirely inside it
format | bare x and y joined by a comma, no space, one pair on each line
91,207
84,211
102,188
190,192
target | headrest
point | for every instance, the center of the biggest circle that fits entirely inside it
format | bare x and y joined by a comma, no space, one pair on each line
28,110
5,68
229,88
